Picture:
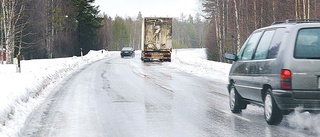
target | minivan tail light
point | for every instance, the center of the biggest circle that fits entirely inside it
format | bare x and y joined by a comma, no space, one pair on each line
285,79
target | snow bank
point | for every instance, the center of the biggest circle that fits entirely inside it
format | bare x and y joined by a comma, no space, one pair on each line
195,61
21,92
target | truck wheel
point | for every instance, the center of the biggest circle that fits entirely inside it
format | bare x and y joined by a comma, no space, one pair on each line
234,100
272,113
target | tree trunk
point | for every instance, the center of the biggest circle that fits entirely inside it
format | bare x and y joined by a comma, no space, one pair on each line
8,13
237,26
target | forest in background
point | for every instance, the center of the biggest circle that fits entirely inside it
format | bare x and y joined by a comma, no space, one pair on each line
37,29
232,21
188,31
41,29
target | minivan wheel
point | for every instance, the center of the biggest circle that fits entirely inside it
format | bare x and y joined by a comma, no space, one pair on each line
234,101
272,113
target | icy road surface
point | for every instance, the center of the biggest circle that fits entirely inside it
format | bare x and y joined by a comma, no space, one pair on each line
117,97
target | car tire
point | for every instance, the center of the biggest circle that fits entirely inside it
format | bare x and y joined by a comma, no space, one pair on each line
145,60
234,100
272,113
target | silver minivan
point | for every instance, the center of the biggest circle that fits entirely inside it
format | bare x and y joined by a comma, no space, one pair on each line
278,67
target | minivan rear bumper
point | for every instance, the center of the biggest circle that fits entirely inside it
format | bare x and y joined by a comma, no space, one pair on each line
289,100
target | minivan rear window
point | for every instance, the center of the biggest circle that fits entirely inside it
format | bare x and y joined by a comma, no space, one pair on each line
308,44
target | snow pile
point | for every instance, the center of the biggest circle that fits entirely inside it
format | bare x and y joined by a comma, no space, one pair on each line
195,61
22,92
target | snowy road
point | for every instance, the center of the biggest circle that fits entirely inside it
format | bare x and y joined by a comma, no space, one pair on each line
127,98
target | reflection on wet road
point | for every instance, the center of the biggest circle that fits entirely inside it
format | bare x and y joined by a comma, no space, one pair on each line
125,97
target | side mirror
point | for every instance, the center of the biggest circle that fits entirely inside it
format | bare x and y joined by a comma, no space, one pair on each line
230,56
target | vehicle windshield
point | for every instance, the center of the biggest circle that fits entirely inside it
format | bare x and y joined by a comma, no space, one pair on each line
308,44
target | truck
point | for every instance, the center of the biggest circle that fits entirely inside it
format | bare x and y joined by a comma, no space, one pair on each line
156,39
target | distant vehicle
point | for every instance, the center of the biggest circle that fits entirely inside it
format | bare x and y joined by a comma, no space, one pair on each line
127,51
156,39
278,67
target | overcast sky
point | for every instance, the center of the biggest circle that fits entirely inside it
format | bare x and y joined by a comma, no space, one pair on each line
148,8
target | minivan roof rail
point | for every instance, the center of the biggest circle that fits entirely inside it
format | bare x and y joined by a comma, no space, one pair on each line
312,20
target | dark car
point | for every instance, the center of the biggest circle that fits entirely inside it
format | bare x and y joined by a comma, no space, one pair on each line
278,67
127,51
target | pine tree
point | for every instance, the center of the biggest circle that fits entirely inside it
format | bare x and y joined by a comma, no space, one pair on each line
88,24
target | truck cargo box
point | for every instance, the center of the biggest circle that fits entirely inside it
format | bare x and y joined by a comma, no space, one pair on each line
156,39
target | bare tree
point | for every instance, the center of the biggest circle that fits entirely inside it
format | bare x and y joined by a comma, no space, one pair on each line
236,19
11,13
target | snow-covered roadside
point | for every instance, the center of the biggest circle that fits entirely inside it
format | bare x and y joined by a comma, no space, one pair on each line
195,61
21,93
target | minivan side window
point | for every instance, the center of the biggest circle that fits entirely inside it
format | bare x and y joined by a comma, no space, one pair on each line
263,47
251,46
276,42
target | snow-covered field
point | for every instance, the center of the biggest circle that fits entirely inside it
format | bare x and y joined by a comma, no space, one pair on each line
21,93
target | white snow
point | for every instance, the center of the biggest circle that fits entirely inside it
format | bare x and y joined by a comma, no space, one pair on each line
20,93
195,61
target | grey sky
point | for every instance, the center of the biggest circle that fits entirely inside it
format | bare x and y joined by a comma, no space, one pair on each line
159,8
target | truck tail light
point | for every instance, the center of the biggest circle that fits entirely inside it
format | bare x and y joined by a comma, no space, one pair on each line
147,54
285,79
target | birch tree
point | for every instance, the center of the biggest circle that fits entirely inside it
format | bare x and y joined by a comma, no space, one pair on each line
239,18
237,25
11,14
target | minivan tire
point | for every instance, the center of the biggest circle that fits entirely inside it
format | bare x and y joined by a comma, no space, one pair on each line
234,100
272,113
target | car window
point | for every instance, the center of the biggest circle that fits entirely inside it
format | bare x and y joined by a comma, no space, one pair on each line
308,44
239,55
126,48
276,42
263,47
250,46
